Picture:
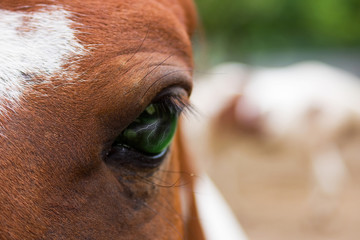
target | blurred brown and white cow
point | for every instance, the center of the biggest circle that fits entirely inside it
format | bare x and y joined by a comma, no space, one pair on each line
277,128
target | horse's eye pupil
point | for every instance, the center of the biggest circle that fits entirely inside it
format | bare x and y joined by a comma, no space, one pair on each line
151,133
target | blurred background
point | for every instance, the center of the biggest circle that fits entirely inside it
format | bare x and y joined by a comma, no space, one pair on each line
278,129
279,32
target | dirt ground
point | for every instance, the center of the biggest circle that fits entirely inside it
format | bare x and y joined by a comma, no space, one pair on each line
271,190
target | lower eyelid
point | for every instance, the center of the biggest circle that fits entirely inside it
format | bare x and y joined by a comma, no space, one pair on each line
121,156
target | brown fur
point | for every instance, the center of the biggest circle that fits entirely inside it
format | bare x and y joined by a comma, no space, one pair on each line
54,182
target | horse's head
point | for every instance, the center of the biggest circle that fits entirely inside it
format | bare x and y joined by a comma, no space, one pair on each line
90,95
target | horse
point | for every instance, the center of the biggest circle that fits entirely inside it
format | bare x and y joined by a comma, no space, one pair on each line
91,92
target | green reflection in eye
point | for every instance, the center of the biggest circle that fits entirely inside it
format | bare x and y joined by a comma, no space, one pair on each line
152,132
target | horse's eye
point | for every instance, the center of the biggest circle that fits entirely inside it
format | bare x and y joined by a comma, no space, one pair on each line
146,140
152,132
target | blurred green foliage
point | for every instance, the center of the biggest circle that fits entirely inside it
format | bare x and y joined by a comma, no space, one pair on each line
237,28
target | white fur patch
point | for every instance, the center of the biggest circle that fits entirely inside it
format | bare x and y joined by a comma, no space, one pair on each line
33,44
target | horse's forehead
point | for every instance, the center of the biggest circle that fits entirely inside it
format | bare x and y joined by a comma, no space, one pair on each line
42,43
33,45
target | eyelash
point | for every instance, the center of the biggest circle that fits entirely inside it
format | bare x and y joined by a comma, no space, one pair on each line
175,104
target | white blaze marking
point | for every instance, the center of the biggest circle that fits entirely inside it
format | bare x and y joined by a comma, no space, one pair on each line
33,43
